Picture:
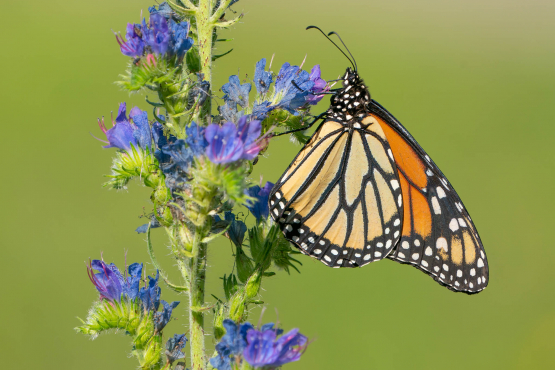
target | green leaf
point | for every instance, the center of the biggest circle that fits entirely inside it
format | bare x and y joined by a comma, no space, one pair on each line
214,57
192,59
150,250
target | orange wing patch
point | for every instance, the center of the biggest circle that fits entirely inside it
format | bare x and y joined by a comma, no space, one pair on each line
438,236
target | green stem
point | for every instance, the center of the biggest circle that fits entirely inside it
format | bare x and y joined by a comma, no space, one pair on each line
205,28
196,299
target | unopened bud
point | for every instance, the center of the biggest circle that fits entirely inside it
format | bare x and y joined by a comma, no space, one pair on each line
253,285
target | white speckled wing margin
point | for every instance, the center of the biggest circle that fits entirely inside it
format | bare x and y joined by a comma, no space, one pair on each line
451,252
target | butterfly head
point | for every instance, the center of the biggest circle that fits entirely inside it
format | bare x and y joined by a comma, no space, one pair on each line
351,101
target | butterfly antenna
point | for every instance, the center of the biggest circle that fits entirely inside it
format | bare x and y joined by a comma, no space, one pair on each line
342,52
336,34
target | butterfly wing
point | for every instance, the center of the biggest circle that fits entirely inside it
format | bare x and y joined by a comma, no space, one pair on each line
340,201
438,236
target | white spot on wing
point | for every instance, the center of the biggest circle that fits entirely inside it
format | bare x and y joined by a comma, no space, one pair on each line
436,206
394,184
454,224
390,153
441,243
440,192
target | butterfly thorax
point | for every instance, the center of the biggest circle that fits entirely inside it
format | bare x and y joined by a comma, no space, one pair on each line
350,101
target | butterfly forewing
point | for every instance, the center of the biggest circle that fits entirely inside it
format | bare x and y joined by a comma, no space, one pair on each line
438,236
340,200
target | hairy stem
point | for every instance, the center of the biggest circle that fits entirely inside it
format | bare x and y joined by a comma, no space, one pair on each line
205,28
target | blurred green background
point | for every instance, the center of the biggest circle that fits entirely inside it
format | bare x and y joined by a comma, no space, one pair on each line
474,82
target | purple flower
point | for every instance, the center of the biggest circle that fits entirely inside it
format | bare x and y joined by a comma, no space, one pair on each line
174,347
162,318
320,85
248,134
264,349
232,344
235,91
111,284
150,296
157,36
262,79
134,45
123,134
229,143
224,146
259,208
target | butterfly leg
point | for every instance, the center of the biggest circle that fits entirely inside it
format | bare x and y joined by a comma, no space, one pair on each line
309,125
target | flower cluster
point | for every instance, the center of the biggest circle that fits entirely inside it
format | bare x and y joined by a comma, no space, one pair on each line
114,287
163,35
266,348
294,90
198,167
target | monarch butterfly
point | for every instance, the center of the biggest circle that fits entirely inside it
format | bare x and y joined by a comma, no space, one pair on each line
363,189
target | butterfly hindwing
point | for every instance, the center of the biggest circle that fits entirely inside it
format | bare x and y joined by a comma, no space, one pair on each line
438,236
340,200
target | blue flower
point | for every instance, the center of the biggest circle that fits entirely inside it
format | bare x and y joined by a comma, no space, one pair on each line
124,133
235,91
237,228
157,36
233,344
174,347
134,45
229,111
158,135
224,146
162,318
163,9
131,285
259,208
264,349
111,284
195,139
153,225
180,40
262,79
141,132
292,86
150,296
262,109
175,160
